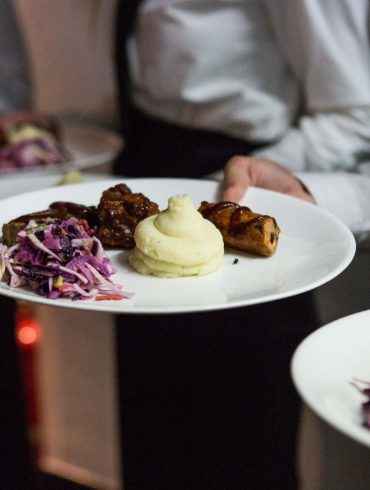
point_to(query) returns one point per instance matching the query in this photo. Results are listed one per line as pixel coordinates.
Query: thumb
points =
(236, 178)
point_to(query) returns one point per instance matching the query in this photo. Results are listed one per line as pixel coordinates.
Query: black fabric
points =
(46, 481)
(155, 148)
(206, 399)
(16, 467)
(125, 21)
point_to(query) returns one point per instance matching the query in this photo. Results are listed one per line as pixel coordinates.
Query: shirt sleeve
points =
(345, 195)
(15, 84)
(326, 45)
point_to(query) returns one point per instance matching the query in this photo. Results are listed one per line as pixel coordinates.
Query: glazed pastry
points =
(241, 228)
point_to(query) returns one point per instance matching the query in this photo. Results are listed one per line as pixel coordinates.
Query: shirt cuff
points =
(343, 195)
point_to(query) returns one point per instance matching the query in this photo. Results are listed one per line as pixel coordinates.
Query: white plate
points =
(314, 247)
(89, 146)
(324, 365)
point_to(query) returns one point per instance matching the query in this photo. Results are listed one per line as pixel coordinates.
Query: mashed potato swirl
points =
(177, 242)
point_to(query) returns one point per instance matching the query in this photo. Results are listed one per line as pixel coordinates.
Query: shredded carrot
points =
(84, 224)
(101, 297)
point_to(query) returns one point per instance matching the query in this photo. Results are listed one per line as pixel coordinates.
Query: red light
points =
(28, 332)
(27, 335)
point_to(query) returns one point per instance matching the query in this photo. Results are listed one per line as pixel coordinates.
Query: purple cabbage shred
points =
(364, 388)
(59, 259)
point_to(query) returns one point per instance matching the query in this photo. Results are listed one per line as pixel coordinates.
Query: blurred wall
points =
(70, 46)
(78, 397)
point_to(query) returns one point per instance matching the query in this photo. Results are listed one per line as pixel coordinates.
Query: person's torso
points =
(212, 64)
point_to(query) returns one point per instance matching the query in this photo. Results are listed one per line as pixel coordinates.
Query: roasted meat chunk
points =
(241, 228)
(119, 211)
(56, 210)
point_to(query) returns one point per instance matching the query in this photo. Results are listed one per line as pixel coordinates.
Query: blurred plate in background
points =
(89, 146)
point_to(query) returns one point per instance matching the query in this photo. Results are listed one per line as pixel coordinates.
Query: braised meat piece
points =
(119, 212)
(241, 228)
(56, 210)
(65, 210)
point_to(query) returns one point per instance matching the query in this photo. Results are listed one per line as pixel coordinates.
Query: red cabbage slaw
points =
(60, 258)
(364, 388)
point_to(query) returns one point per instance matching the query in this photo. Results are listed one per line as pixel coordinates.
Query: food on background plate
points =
(71, 176)
(241, 228)
(364, 388)
(28, 141)
(119, 211)
(177, 242)
(60, 258)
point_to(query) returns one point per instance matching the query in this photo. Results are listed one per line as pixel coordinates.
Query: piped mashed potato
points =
(177, 242)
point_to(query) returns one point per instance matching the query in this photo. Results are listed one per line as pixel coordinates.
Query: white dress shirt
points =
(292, 75)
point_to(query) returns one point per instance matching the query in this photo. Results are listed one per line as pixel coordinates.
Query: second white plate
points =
(325, 364)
